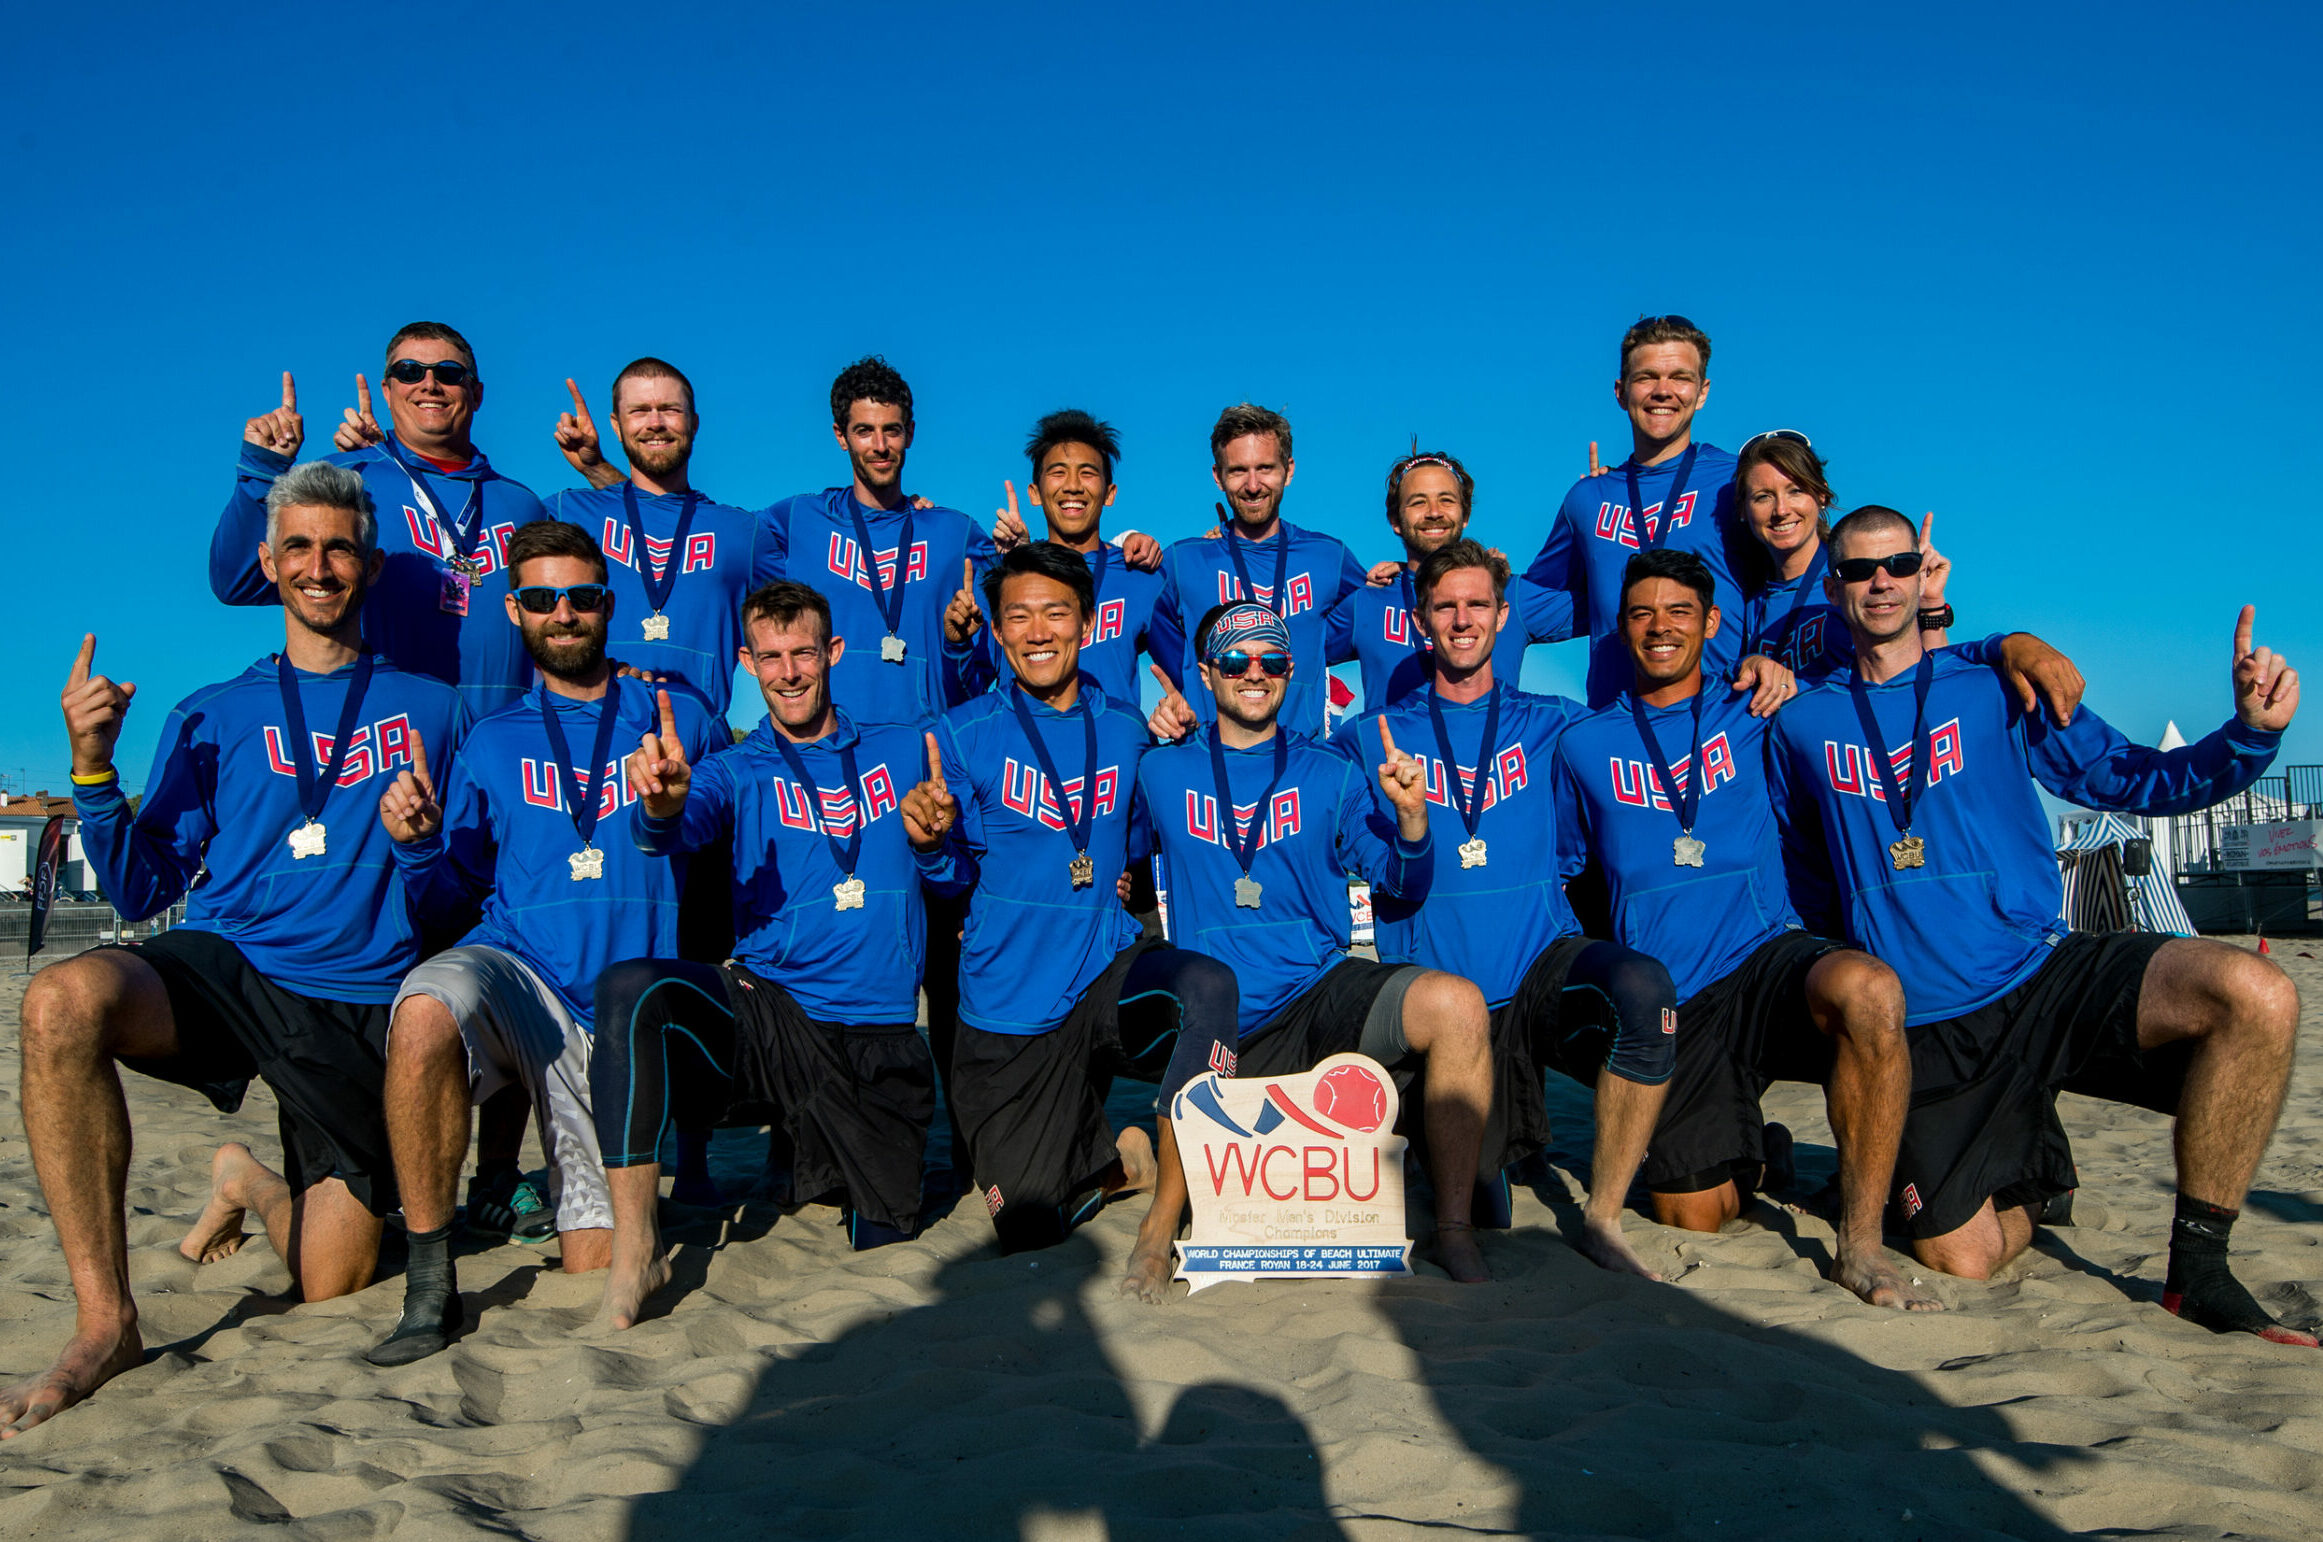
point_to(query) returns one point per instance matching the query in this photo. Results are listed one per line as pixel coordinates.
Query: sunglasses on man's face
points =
(1854, 570)
(450, 372)
(541, 600)
(1236, 664)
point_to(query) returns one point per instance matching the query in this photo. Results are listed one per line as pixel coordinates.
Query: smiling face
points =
(875, 437)
(1782, 514)
(1253, 473)
(1252, 698)
(432, 417)
(1665, 624)
(792, 660)
(1429, 510)
(654, 419)
(1462, 617)
(566, 643)
(1882, 607)
(1662, 386)
(1073, 490)
(1039, 625)
(317, 568)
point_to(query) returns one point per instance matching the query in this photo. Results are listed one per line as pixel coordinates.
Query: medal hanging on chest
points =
(1907, 850)
(582, 786)
(659, 585)
(461, 540)
(1467, 797)
(1243, 840)
(1682, 793)
(848, 892)
(309, 838)
(888, 597)
(1080, 820)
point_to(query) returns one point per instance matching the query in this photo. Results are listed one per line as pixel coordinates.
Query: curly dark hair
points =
(869, 379)
(1403, 468)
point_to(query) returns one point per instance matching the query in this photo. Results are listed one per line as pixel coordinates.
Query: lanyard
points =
(889, 597)
(1468, 804)
(1097, 579)
(1076, 826)
(1243, 844)
(313, 791)
(582, 789)
(1682, 803)
(843, 852)
(1810, 582)
(1661, 531)
(1280, 604)
(1411, 621)
(1899, 798)
(657, 589)
(464, 535)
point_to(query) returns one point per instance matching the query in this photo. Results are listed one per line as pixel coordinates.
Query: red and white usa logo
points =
(1221, 1060)
(1912, 1204)
(1669, 1019)
(992, 1200)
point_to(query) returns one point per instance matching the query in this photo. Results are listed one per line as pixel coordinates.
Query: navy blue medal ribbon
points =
(1908, 850)
(1077, 826)
(464, 534)
(1468, 803)
(888, 597)
(313, 790)
(1755, 635)
(658, 588)
(1661, 531)
(844, 852)
(1686, 851)
(1244, 844)
(582, 785)
(1280, 604)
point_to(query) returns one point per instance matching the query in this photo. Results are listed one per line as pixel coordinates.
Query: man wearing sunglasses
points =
(1495, 910)
(516, 824)
(1258, 827)
(261, 812)
(1029, 799)
(1666, 791)
(445, 517)
(1911, 780)
(1670, 493)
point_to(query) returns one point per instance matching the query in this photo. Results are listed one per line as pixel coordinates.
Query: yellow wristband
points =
(99, 780)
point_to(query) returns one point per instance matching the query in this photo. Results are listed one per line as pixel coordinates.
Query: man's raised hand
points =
(1595, 470)
(94, 707)
(1008, 527)
(1141, 551)
(1382, 574)
(657, 767)
(576, 433)
(1770, 684)
(929, 809)
(409, 808)
(1406, 788)
(2266, 687)
(1935, 567)
(961, 617)
(281, 430)
(1173, 717)
(360, 428)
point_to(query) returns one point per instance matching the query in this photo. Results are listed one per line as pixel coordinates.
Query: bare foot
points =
(1138, 1168)
(1151, 1264)
(1602, 1243)
(630, 1285)
(1457, 1251)
(85, 1364)
(1874, 1276)
(219, 1231)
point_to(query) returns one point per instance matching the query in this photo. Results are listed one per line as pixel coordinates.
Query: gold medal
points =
(1911, 851)
(1084, 871)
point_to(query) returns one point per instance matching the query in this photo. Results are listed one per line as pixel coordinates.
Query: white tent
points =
(2101, 896)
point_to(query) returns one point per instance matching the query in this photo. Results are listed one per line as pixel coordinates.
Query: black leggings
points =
(1616, 1008)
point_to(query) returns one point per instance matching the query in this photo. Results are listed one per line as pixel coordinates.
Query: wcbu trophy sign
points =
(1292, 1175)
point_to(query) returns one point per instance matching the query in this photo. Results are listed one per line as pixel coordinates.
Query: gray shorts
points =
(518, 1033)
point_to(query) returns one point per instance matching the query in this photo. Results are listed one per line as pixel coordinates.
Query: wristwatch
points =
(1936, 620)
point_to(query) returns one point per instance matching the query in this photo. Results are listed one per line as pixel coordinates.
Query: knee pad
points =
(1645, 1018)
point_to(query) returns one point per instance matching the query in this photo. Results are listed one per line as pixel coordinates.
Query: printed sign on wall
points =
(1292, 1175)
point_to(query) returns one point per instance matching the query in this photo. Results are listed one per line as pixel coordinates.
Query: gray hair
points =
(319, 484)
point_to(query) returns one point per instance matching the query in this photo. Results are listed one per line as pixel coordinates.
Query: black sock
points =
(2200, 1286)
(428, 1265)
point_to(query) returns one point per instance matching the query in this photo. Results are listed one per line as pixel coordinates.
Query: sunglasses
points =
(1792, 434)
(1854, 570)
(1234, 665)
(541, 599)
(449, 372)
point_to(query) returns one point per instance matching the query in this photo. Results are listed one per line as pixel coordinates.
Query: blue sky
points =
(2047, 274)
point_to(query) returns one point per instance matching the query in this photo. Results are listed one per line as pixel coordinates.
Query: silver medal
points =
(307, 840)
(1084, 871)
(849, 893)
(588, 862)
(1472, 852)
(1686, 851)
(891, 649)
(1246, 892)
(657, 627)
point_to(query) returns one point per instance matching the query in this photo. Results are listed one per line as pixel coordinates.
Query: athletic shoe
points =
(507, 1207)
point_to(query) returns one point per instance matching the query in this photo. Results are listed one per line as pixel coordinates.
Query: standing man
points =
(266, 787)
(1300, 575)
(1029, 799)
(516, 825)
(1666, 790)
(1429, 498)
(1671, 492)
(1496, 912)
(681, 564)
(448, 516)
(814, 1014)
(1259, 827)
(1910, 779)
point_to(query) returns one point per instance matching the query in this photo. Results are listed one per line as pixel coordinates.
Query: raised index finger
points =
(580, 408)
(88, 656)
(1386, 739)
(669, 721)
(2242, 629)
(289, 393)
(935, 763)
(419, 762)
(1927, 528)
(1012, 514)
(362, 394)
(968, 574)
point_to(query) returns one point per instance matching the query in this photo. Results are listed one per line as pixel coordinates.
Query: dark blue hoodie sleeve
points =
(1166, 632)
(1394, 866)
(2091, 764)
(1806, 856)
(235, 577)
(146, 861)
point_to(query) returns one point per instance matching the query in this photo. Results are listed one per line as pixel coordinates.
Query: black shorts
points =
(1355, 1008)
(1744, 1030)
(326, 1061)
(1983, 1123)
(1032, 1106)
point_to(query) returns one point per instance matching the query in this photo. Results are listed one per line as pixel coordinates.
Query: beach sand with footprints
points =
(788, 1387)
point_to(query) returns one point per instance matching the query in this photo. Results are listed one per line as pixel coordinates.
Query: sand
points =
(787, 1387)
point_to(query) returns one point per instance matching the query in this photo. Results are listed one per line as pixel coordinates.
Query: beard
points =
(566, 663)
(660, 458)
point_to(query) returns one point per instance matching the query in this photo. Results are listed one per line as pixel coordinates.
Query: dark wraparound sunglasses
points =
(1236, 664)
(1854, 570)
(449, 372)
(541, 600)
(1791, 434)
